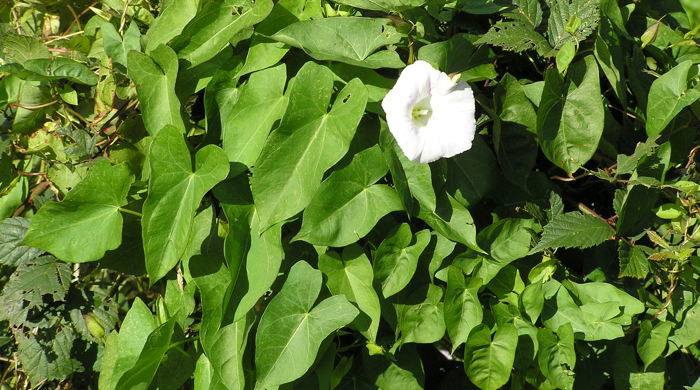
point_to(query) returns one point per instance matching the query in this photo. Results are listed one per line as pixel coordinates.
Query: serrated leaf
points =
(49, 358)
(573, 230)
(175, 190)
(518, 32)
(308, 141)
(633, 261)
(292, 328)
(12, 232)
(87, 223)
(580, 16)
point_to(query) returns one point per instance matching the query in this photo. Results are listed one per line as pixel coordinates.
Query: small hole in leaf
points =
(345, 99)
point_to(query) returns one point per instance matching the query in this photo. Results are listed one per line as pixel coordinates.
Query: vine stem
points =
(132, 212)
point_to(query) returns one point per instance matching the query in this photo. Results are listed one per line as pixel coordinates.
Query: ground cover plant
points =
(205, 194)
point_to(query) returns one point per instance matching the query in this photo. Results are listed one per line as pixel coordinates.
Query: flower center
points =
(421, 112)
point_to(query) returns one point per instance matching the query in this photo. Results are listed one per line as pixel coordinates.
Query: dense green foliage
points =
(204, 194)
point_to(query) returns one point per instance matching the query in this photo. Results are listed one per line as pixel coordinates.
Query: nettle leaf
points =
(633, 261)
(351, 274)
(292, 328)
(211, 30)
(517, 33)
(571, 20)
(488, 362)
(27, 286)
(154, 77)
(175, 190)
(12, 252)
(308, 141)
(352, 40)
(348, 204)
(87, 223)
(50, 358)
(570, 116)
(246, 124)
(396, 259)
(668, 95)
(574, 230)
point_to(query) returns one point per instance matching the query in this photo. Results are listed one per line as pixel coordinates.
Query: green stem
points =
(132, 212)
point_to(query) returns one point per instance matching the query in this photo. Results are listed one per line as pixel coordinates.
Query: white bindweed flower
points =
(430, 115)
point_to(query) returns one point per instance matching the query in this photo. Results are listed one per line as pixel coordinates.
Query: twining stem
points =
(132, 212)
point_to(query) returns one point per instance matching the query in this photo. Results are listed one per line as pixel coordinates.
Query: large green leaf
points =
(308, 141)
(668, 95)
(117, 47)
(351, 275)
(488, 362)
(383, 5)
(420, 317)
(139, 377)
(473, 174)
(175, 191)
(87, 223)
(292, 328)
(154, 77)
(396, 259)
(570, 115)
(463, 310)
(353, 40)
(246, 123)
(213, 27)
(348, 204)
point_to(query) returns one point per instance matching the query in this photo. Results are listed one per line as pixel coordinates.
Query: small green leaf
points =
(652, 340)
(172, 19)
(246, 124)
(565, 55)
(154, 77)
(292, 328)
(668, 95)
(117, 47)
(670, 211)
(396, 259)
(463, 310)
(176, 188)
(351, 275)
(488, 362)
(87, 223)
(556, 357)
(650, 34)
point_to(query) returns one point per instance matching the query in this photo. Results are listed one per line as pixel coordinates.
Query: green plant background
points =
(204, 194)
